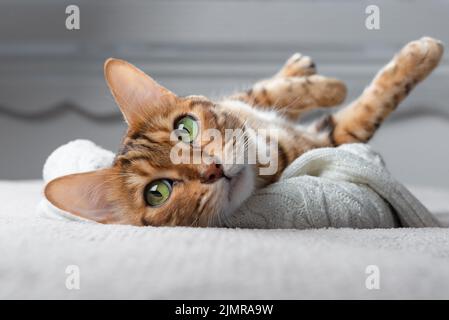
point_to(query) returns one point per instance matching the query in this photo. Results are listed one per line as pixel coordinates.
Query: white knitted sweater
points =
(348, 186)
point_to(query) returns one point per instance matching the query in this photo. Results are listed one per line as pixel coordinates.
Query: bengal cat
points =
(145, 187)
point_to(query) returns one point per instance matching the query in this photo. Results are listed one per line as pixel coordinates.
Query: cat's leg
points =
(293, 95)
(294, 89)
(358, 121)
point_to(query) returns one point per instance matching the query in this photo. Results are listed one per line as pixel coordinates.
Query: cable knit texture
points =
(348, 186)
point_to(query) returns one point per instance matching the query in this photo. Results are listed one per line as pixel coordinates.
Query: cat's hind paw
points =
(418, 58)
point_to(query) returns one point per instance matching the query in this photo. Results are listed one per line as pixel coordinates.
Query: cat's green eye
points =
(158, 192)
(187, 129)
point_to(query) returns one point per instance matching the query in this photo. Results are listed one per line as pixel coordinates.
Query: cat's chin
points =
(239, 187)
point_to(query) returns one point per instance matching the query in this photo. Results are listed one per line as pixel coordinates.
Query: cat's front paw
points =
(298, 65)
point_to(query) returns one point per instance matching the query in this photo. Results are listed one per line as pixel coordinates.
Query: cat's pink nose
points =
(212, 173)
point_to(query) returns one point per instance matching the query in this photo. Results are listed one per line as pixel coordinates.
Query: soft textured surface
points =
(348, 186)
(146, 262)
(74, 157)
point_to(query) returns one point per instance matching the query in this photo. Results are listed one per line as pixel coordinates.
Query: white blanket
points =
(145, 262)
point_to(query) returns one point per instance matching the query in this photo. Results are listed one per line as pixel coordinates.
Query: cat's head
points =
(147, 184)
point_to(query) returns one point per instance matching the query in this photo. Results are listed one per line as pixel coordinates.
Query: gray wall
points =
(52, 88)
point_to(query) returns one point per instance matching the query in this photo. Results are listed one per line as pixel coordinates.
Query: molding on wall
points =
(63, 108)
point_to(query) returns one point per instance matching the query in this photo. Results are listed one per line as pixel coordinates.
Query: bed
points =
(39, 258)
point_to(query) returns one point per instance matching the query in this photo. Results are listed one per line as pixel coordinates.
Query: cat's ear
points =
(83, 194)
(134, 91)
